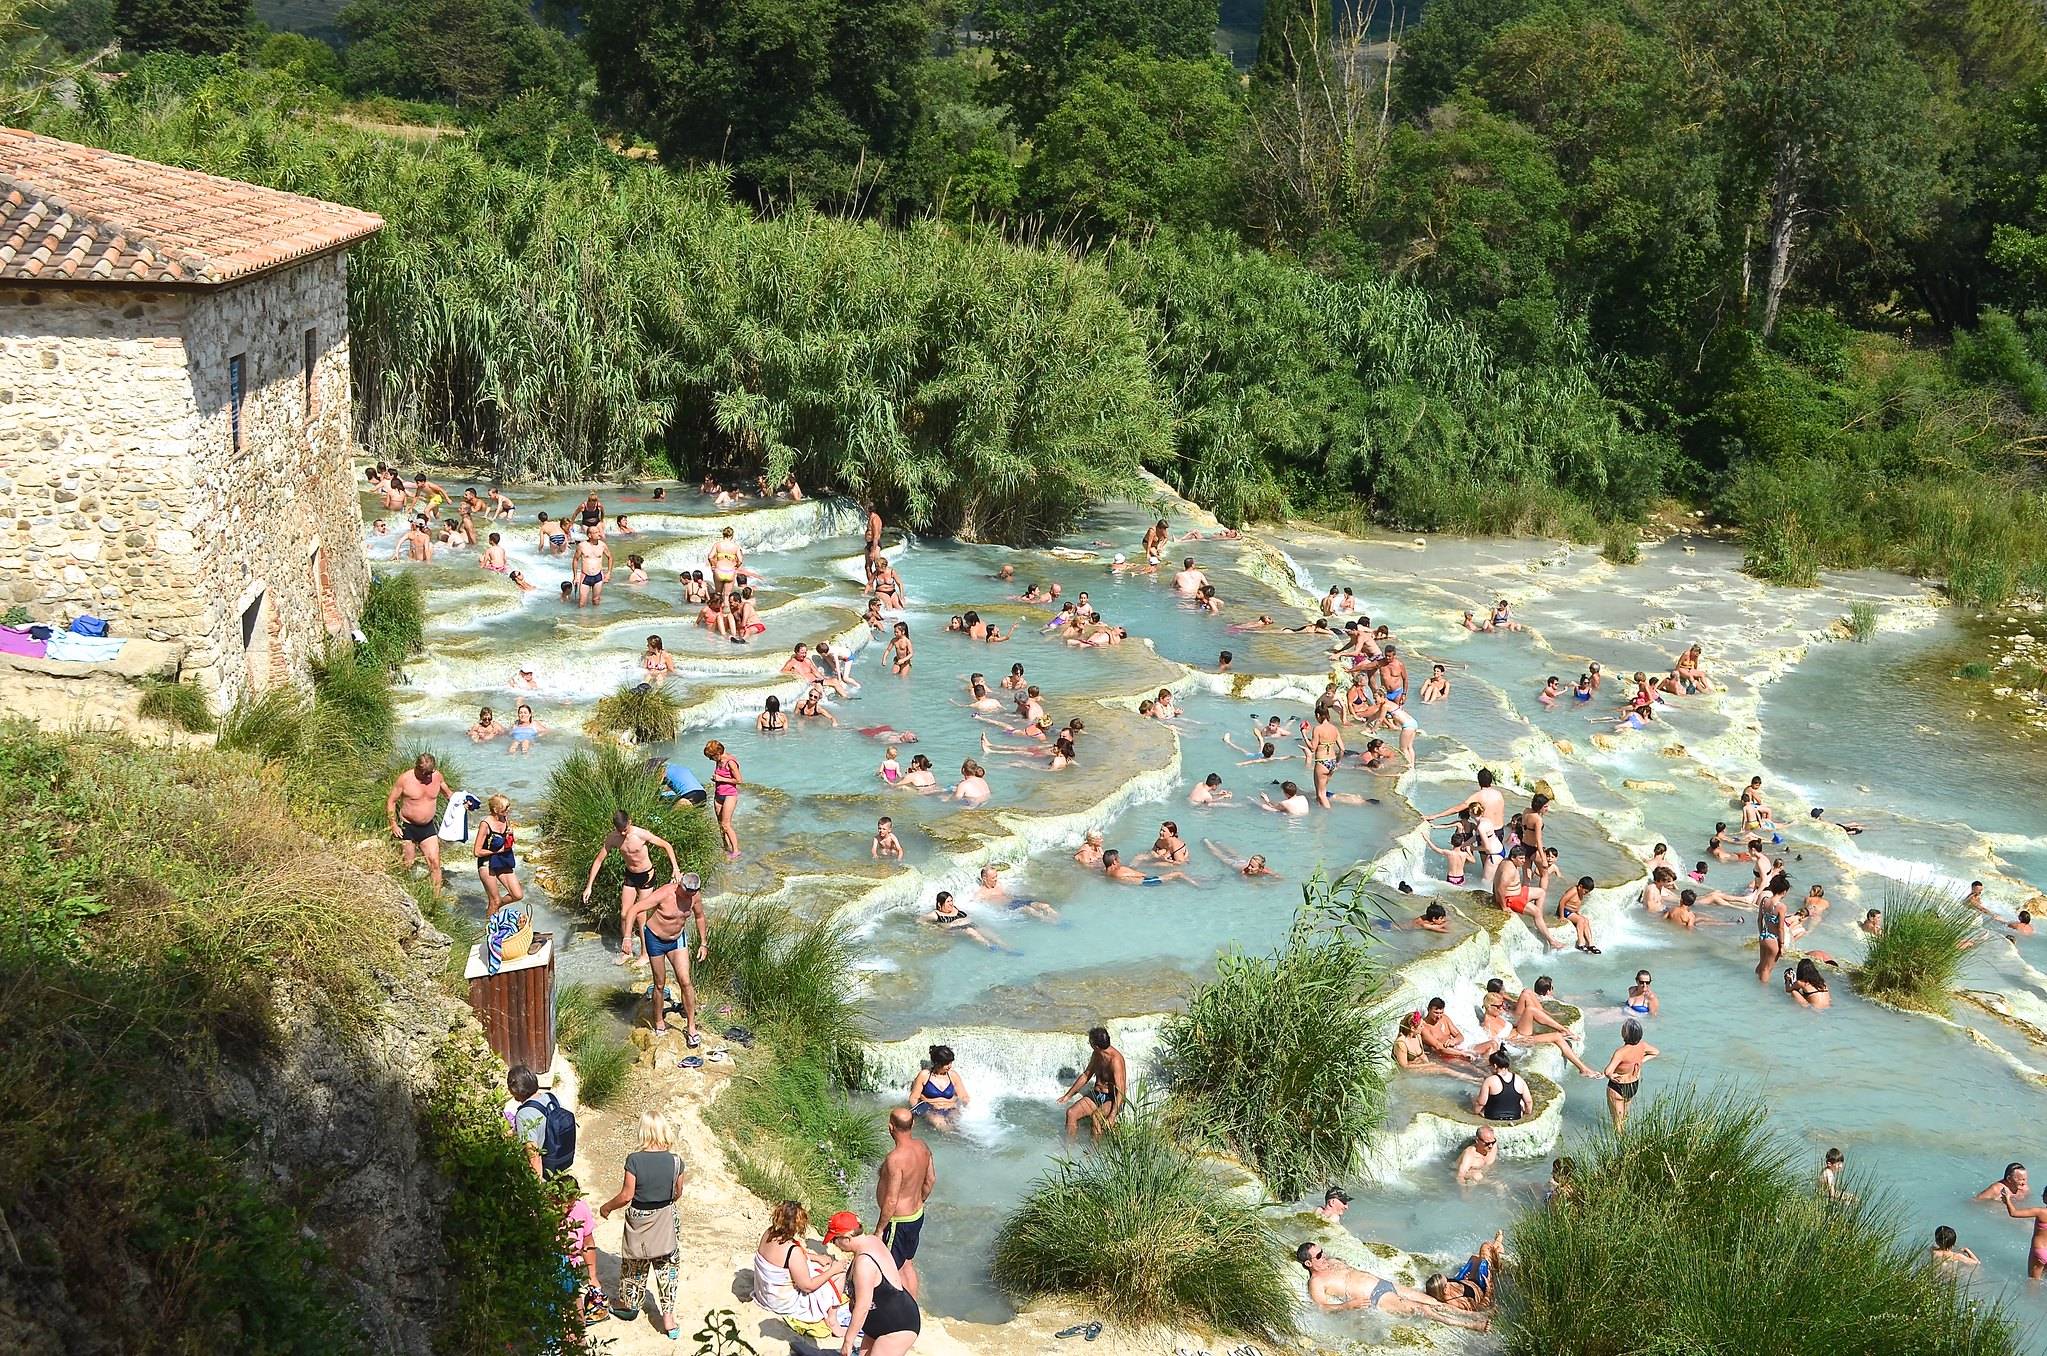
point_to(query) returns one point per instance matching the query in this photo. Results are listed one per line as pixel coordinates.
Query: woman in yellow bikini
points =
(725, 559)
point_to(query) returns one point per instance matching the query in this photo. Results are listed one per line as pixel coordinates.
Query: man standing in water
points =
(900, 1192)
(1107, 1079)
(663, 916)
(591, 567)
(414, 809)
(1492, 813)
(632, 842)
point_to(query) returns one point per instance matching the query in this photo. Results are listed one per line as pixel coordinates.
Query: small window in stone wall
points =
(237, 392)
(312, 365)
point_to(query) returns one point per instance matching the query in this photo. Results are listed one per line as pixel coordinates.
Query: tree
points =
(795, 95)
(305, 59)
(32, 67)
(1139, 141)
(1825, 116)
(198, 27)
(458, 51)
(1451, 35)
(1041, 46)
(1288, 32)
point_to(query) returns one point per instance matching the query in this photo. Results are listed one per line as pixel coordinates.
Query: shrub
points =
(792, 1133)
(1681, 1229)
(602, 1061)
(793, 977)
(1144, 1234)
(585, 790)
(1861, 621)
(393, 620)
(1915, 960)
(1282, 1059)
(1996, 354)
(651, 715)
(179, 704)
(1621, 544)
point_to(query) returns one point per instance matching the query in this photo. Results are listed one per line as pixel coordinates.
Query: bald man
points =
(904, 1185)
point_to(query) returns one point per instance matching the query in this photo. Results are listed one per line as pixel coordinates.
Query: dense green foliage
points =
(1281, 1060)
(582, 1029)
(460, 51)
(158, 906)
(393, 621)
(1915, 961)
(1682, 1230)
(583, 793)
(1144, 1233)
(792, 1134)
(194, 26)
(651, 715)
(792, 979)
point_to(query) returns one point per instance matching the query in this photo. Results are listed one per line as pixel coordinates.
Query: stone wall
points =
(122, 490)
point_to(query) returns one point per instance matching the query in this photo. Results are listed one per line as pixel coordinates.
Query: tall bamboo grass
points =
(583, 792)
(1143, 1234)
(1701, 1230)
(1917, 958)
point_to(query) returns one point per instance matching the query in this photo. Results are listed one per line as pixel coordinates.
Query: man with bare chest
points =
(635, 845)
(662, 916)
(414, 809)
(591, 566)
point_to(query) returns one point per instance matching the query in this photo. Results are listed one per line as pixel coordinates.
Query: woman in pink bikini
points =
(2036, 1265)
(725, 781)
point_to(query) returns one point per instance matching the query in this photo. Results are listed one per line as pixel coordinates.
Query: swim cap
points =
(842, 1225)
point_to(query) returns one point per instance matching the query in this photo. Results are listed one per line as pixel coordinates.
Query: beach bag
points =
(88, 626)
(558, 1141)
(649, 1234)
(508, 936)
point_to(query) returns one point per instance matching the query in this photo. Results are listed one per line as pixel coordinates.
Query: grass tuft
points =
(1681, 1228)
(1915, 961)
(178, 704)
(1621, 544)
(1144, 1234)
(1281, 1059)
(602, 1061)
(393, 620)
(793, 1134)
(1861, 621)
(575, 818)
(790, 978)
(651, 715)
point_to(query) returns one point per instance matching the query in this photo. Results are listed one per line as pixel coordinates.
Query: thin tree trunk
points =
(1785, 209)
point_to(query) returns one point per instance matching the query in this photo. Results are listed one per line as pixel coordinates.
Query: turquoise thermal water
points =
(1926, 1113)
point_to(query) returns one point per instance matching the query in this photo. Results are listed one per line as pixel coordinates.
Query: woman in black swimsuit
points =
(884, 1313)
(496, 859)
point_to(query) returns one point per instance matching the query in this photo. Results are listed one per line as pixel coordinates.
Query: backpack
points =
(558, 1138)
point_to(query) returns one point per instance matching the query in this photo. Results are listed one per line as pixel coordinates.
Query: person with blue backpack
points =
(545, 1128)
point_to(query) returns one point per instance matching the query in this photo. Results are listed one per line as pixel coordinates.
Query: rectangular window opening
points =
(237, 392)
(312, 366)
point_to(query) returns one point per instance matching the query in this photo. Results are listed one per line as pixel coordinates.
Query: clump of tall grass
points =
(584, 791)
(393, 621)
(1861, 621)
(794, 979)
(1701, 1230)
(650, 714)
(792, 1133)
(1621, 544)
(1144, 1234)
(178, 704)
(1916, 959)
(1281, 1059)
(602, 1061)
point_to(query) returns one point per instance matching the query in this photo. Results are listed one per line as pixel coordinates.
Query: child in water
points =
(886, 844)
(891, 771)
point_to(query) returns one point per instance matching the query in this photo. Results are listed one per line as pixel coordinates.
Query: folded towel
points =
(83, 649)
(21, 643)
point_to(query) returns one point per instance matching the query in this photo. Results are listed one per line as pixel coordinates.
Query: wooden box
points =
(516, 1005)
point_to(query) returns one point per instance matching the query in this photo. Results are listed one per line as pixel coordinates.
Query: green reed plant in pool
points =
(1621, 544)
(1144, 1233)
(1861, 621)
(1699, 1230)
(650, 714)
(1281, 1059)
(1915, 961)
(586, 789)
(791, 977)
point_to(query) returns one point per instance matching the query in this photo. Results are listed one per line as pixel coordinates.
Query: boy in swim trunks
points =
(633, 843)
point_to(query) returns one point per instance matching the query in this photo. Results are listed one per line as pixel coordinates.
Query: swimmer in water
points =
(523, 584)
(1250, 868)
(885, 844)
(1113, 868)
(1209, 791)
(948, 917)
(1437, 688)
(1292, 802)
(990, 890)
(1641, 1000)
(1090, 852)
(1551, 690)
(1806, 985)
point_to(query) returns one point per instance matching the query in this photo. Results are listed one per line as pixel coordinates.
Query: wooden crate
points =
(516, 1005)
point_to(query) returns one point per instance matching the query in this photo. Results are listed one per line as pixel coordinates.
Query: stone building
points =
(174, 410)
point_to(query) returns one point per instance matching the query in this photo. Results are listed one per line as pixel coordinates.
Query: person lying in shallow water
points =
(1335, 1287)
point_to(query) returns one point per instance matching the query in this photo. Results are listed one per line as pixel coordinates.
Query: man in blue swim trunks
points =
(1336, 1287)
(1106, 1078)
(663, 916)
(1113, 868)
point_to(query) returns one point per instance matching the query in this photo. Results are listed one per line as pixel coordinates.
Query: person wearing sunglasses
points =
(1336, 1287)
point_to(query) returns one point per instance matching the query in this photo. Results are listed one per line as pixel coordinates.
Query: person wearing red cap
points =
(885, 1314)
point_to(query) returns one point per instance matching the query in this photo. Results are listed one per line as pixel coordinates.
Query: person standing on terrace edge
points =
(725, 781)
(633, 843)
(1106, 1079)
(413, 808)
(902, 1188)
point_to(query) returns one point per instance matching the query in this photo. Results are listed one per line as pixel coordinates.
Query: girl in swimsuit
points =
(495, 859)
(657, 662)
(1807, 985)
(771, 720)
(725, 558)
(2036, 1265)
(899, 653)
(1455, 857)
(937, 1094)
(524, 730)
(725, 782)
(891, 771)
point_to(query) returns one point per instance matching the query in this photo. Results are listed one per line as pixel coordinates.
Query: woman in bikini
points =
(2036, 1265)
(947, 916)
(1411, 1056)
(937, 1093)
(771, 720)
(920, 777)
(725, 782)
(1624, 1069)
(496, 863)
(659, 664)
(1806, 985)
(725, 558)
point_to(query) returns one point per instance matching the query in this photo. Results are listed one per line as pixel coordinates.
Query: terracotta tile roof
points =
(75, 212)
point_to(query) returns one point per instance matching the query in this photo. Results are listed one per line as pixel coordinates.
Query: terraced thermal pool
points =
(1874, 732)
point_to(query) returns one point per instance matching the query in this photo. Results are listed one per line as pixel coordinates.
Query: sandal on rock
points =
(1074, 1331)
(689, 1062)
(694, 1039)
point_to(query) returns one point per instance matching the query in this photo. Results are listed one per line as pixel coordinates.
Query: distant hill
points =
(315, 17)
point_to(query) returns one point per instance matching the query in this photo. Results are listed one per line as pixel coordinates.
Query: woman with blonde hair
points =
(725, 781)
(653, 1176)
(496, 862)
(790, 1281)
